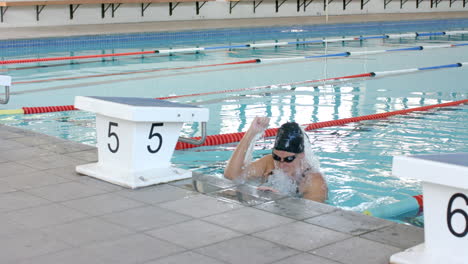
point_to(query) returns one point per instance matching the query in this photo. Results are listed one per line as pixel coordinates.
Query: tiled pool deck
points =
(51, 215)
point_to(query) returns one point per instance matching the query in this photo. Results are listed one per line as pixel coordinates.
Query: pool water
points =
(356, 158)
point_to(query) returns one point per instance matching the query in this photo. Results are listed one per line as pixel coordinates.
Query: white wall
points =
(22, 16)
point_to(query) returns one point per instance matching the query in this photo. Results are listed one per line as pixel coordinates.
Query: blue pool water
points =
(356, 158)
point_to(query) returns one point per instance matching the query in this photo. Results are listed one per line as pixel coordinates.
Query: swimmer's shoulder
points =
(266, 164)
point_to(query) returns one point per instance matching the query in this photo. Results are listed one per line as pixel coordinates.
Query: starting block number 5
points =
(456, 213)
(152, 134)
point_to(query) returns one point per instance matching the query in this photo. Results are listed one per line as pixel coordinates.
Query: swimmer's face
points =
(287, 161)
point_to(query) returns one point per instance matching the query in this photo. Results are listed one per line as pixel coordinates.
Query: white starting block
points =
(136, 138)
(5, 81)
(445, 190)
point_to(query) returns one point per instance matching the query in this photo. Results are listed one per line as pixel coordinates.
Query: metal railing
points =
(6, 82)
(194, 141)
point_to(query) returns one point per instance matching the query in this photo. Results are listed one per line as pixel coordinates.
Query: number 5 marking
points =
(113, 134)
(451, 213)
(155, 134)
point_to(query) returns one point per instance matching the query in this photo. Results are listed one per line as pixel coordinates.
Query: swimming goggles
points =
(287, 159)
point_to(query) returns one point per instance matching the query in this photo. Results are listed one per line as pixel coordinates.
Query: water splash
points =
(248, 158)
(282, 183)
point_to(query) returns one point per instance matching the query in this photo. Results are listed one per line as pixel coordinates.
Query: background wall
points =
(25, 16)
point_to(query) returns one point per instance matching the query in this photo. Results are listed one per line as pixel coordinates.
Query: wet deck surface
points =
(50, 214)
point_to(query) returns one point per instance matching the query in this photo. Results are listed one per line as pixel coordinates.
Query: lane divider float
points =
(47, 109)
(250, 45)
(251, 61)
(220, 139)
(410, 204)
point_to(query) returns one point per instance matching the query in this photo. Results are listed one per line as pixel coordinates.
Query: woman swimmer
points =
(287, 156)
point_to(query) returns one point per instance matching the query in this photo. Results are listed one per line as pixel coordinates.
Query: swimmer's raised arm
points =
(236, 167)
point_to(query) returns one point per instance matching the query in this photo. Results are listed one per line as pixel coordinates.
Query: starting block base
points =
(136, 179)
(419, 255)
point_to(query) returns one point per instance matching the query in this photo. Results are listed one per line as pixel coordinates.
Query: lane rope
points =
(410, 204)
(46, 109)
(253, 61)
(220, 139)
(249, 45)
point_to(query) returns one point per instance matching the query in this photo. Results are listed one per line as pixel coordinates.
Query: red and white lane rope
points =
(45, 109)
(253, 61)
(249, 45)
(236, 137)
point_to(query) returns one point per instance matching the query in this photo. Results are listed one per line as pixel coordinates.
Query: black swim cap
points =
(290, 138)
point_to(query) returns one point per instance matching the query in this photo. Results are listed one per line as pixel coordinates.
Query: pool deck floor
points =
(51, 214)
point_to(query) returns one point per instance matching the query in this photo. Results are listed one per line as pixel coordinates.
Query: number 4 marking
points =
(155, 134)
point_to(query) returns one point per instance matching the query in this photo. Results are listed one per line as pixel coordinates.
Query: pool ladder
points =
(194, 141)
(6, 82)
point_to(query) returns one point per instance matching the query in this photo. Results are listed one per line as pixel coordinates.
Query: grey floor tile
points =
(65, 191)
(6, 187)
(193, 234)
(43, 216)
(301, 236)
(32, 180)
(65, 147)
(8, 144)
(199, 206)
(37, 139)
(156, 194)
(67, 172)
(97, 183)
(186, 257)
(349, 222)
(5, 134)
(19, 200)
(86, 156)
(306, 258)
(13, 168)
(68, 256)
(145, 218)
(247, 220)
(102, 204)
(357, 250)
(27, 244)
(10, 227)
(25, 153)
(48, 162)
(136, 248)
(247, 249)
(86, 231)
(296, 208)
(398, 235)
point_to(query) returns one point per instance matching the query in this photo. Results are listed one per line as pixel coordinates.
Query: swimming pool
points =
(355, 157)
